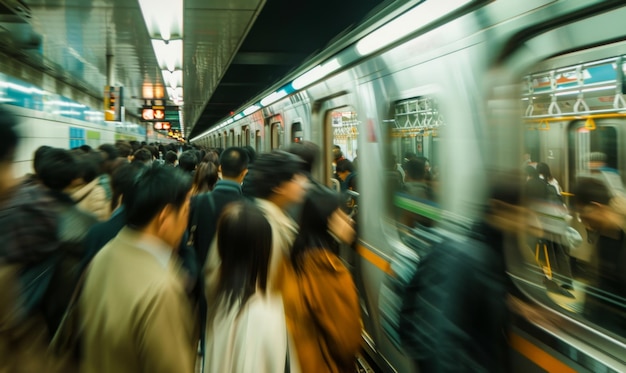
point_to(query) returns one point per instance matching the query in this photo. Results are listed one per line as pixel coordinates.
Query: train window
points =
(411, 176)
(296, 132)
(342, 131)
(277, 135)
(575, 261)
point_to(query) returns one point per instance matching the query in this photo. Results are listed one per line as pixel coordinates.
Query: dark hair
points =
(308, 151)
(415, 168)
(89, 165)
(8, 134)
(213, 157)
(171, 157)
(142, 155)
(244, 243)
(38, 156)
(251, 153)
(272, 169)
(544, 169)
(153, 150)
(344, 165)
(152, 190)
(124, 149)
(122, 180)
(588, 190)
(188, 160)
(313, 233)
(234, 161)
(205, 177)
(110, 150)
(58, 168)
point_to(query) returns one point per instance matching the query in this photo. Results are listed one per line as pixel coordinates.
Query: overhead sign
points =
(160, 113)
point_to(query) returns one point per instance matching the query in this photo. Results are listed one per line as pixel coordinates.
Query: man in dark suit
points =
(233, 166)
(206, 209)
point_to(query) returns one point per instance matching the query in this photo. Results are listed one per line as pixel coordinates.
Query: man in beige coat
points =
(136, 314)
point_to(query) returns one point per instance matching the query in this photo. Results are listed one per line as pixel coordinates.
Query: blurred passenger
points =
(321, 300)
(336, 156)
(140, 318)
(110, 156)
(415, 182)
(604, 231)
(544, 172)
(205, 212)
(279, 181)
(9, 140)
(171, 158)
(213, 157)
(42, 232)
(188, 161)
(458, 319)
(347, 175)
(100, 234)
(124, 149)
(246, 329)
(142, 155)
(204, 178)
(309, 152)
(90, 195)
(37, 157)
(251, 153)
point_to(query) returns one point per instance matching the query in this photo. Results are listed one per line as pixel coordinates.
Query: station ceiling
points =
(232, 49)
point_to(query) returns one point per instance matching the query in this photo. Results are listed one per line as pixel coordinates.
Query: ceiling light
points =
(169, 54)
(164, 18)
(315, 74)
(251, 109)
(418, 17)
(273, 97)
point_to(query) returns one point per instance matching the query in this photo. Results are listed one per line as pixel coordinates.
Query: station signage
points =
(160, 113)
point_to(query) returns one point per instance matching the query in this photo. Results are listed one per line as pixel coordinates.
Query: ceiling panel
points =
(232, 49)
(208, 51)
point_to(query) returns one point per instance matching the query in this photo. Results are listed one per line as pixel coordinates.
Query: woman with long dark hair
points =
(246, 330)
(321, 300)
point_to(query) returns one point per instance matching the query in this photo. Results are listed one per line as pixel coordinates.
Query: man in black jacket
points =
(206, 209)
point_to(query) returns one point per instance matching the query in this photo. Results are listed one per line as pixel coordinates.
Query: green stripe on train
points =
(417, 207)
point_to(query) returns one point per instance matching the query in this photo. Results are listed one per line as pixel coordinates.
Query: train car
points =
(472, 86)
(67, 119)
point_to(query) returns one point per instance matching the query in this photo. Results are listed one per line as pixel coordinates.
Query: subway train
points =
(473, 86)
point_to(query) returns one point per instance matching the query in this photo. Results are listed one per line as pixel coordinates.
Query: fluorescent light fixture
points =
(173, 78)
(251, 109)
(238, 116)
(175, 92)
(416, 18)
(164, 18)
(273, 97)
(169, 54)
(315, 74)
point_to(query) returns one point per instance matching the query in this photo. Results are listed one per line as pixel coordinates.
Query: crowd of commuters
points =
(170, 258)
(138, 257)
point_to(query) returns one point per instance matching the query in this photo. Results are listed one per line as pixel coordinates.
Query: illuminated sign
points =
(160, 113)
(162, 126)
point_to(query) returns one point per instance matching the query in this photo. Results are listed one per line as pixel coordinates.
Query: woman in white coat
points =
(246, 330)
